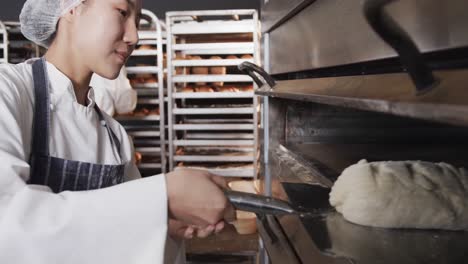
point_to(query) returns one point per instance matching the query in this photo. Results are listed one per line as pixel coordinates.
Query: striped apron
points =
(61, 174)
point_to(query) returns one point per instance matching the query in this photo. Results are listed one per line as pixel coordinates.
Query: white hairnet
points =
(39, 18)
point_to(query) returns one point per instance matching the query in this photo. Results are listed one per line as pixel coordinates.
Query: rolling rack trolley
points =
(145, 70)
(213, 115)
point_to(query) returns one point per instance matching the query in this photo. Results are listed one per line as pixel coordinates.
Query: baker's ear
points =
(70, 14)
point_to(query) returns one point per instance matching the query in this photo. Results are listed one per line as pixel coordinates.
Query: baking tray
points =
(337, 239)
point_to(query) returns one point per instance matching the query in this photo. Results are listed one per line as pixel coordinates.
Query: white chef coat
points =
(118, 96)
(123, 224)
(114, 96)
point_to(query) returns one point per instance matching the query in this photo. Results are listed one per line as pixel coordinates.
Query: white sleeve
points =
(122, 224)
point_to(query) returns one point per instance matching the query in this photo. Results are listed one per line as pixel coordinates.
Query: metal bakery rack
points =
(145, 69)
(16, 48)
(3, 43)
(213, 115)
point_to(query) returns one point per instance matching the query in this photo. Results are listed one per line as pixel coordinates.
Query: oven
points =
(349, 80)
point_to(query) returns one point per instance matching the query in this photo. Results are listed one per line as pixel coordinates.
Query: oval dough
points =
(403, 194)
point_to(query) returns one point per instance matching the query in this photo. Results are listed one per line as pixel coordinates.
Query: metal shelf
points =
(213, 111)
(146, 86)
(149, 150)
(146, 34)
(216, 48)
(148, 101)
(217, 120)
(144, 53)
(211, 78)
(213, 27)
(19, 43)
(214, 127)
(226, 172)
(446, 102)
(144, 133)
(4, 44)
(138, 118)
(149, 166)
(139, 127)
(217, 95)
(145, 142)
(146, 91)
(188, 15)
(218, 158)
(142, 69)
(216, 150)
(219, 136)
(209, 62)
(214, 142)
(147, 42)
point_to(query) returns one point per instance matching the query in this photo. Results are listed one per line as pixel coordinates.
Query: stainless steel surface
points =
(382, 246)
(334, 32)
(170, 90)
(318, 127)
(262, 254)
(386, 93)
(265, 138)
(275, 241)
(331, 239)
(258, 203)
(299, 169)
(276, 12)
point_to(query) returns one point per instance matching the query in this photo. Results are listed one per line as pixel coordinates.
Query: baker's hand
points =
(196, 197)
(180, 230)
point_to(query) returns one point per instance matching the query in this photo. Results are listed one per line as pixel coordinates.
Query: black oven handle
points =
(410, 56)
(252, 70)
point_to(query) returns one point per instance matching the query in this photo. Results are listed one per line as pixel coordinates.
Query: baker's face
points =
(106, 34)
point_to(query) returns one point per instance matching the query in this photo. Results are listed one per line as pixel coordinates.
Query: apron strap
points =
(41, 115)
(113, 138)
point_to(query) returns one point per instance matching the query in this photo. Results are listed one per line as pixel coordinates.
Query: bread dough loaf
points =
(403, 194)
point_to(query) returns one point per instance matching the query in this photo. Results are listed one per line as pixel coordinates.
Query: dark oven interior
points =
(310, 145)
